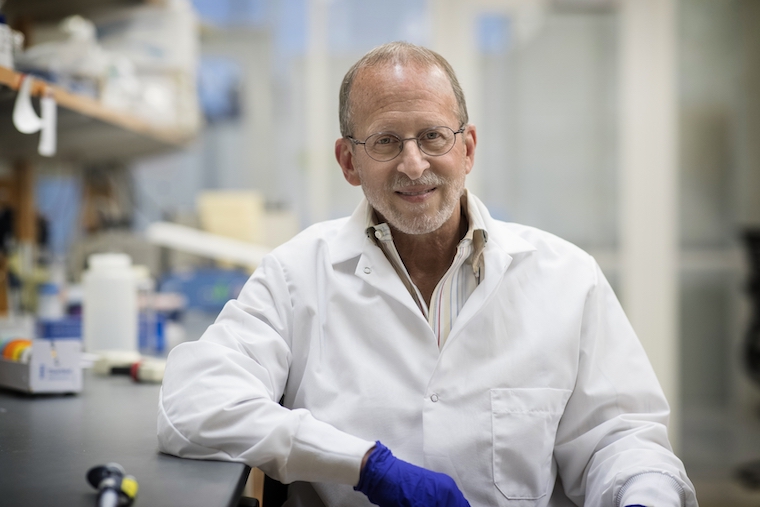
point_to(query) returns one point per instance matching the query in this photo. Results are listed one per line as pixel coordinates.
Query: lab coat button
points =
(433, 398)
(378, 234)
(368, 270)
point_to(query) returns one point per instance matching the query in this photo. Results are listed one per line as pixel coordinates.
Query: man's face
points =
(416, 193)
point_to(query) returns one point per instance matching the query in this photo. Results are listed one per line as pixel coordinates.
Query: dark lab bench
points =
(48, 442)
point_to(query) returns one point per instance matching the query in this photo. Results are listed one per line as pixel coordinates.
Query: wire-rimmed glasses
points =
(384, 146)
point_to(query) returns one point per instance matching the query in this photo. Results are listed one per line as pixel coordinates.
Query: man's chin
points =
(416, 226)
(417, 219)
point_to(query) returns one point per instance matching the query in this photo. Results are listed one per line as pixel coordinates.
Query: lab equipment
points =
(206, 289)
(115, 487)
(6, 44)
(11, 43)
(69, 327)
(42, 365)
(148, 370)
(110, 305)
(388, 481)
(148, 331)
(18, 349)
(49, 302)
(197, 242)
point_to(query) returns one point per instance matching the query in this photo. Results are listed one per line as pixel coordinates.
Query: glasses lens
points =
(436, 141)
(383, 147)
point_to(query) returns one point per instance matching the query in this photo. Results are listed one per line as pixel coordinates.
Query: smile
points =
(412, 193)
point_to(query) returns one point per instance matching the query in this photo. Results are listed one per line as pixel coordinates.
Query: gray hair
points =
(396, 53)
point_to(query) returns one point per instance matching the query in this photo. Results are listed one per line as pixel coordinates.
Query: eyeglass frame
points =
(461, 130)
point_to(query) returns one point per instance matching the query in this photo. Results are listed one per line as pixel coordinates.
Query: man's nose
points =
(412, 161)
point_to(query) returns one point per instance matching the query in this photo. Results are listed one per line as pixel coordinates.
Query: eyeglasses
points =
(434, 142)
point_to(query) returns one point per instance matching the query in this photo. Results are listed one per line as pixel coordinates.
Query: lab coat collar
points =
(505, 240)
(352, 241)
(372, 266)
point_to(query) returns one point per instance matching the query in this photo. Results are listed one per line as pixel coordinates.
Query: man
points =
(423, 353)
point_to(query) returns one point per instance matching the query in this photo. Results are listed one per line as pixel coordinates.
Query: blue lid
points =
(47, 289)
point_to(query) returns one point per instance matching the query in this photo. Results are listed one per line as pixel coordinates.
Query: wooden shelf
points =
(54, 10)
(87, 131)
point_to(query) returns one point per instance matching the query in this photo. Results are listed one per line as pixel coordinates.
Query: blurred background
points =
(630, 127)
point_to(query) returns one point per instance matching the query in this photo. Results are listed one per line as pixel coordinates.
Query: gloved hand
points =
(390, 482)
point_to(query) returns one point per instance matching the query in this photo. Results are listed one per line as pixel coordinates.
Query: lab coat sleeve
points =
(219, 398)
(612, 445)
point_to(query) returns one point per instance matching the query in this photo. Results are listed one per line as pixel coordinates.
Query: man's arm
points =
(612, 445)
(219, 398)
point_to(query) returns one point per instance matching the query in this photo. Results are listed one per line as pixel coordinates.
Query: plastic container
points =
(6, 44)
(49, 302)
(149, 332)
(109, 306)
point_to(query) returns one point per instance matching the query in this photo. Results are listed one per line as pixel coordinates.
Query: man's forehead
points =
(398, 72)
(393, 80)
(383, 93)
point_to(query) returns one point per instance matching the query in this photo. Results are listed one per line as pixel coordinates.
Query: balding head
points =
(396, 53)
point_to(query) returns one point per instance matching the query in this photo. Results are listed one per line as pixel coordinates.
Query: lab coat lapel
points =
(496, 263)
(376, 270)
(372, 266)
(500, 251)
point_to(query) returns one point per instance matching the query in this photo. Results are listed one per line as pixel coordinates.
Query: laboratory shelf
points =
(87, 130)
(54, 10)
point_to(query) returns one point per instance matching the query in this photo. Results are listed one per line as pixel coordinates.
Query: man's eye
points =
(382, 140)
(431, 135)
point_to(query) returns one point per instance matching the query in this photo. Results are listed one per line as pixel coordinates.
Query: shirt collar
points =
(476, 230)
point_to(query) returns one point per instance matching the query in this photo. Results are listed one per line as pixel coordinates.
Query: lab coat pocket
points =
(524, 424)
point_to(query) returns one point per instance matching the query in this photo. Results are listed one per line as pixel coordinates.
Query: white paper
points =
(24, 116)
(27, 122)
(48, 136)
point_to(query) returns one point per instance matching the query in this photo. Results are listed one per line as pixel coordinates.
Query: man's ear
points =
(344, 154)
(470, 136)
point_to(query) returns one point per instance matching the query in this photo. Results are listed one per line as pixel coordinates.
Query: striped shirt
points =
(459, 281)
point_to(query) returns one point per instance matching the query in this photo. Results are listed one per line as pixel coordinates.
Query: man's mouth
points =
(415, 192)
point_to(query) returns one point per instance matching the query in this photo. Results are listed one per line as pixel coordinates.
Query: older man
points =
(419, 352)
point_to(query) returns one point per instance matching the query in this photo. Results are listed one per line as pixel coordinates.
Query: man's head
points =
(404, 98)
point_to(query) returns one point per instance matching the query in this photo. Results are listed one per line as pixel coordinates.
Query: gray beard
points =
(422, 223)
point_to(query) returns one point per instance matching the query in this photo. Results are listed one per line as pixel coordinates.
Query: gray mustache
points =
(401, 180)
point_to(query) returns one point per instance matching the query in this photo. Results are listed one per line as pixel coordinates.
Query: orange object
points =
(14, 348)
(7, 344)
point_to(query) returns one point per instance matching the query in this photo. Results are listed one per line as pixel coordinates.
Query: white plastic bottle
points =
(110, 304)
(6, 44)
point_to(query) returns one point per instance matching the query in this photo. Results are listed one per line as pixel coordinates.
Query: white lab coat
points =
(542, 377)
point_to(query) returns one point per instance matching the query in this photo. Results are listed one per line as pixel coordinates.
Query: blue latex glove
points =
(390, 482)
